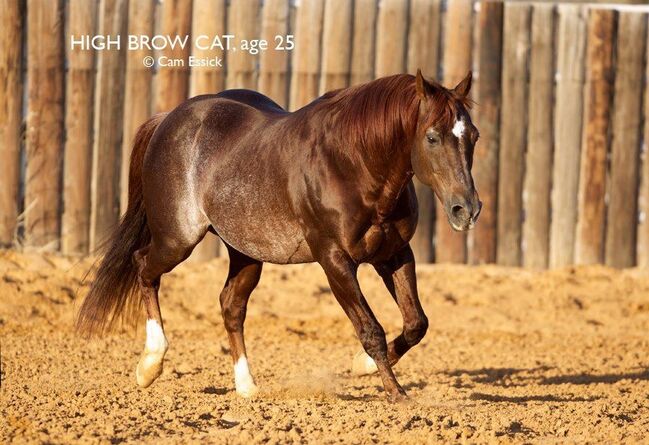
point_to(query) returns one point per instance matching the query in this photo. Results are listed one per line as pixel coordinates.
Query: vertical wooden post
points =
(208, 18)
(423, 53)
(11, 95)
(568, 123)
(44, 144)
(538, 162)
(643, 201)
(591, 210)
(273, 65)
(625, 148)
(336, 45)
(108, 119)
(172, 84)
(242, 22)
(306, 55)
(424, 37)
(450, 246)
(75, 223)
(391, 35)
(513, 136)
(362, 63)
(137, 94)
(482, 240)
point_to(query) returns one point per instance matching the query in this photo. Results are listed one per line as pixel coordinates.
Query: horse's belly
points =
(261, 227)
(267, 241)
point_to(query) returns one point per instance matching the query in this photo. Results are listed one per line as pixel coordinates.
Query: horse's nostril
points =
(457, 210)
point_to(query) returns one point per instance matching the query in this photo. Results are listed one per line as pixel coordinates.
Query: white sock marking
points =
(363, 364)
(370, 365)
(458, 128)
(243, 380)
(155, 337)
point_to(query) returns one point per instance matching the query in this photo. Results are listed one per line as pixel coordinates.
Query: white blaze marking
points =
(242, 379)
(155, 337)
(458, 128)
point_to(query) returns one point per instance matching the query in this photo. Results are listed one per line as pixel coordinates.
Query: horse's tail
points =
(113, 294)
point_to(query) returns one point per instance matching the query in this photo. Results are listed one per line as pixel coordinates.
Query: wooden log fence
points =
(450, 246)
(538, 162)
(562, 105)
(44, 120)
(482, 240)
(12, 14)
(511, 162)
(589, 247)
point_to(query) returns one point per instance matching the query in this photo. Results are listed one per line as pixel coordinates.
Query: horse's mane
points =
(376, 115)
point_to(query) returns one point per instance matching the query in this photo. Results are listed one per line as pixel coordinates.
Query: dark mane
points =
(384, 112)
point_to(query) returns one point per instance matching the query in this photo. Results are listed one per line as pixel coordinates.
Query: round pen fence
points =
(561, 96)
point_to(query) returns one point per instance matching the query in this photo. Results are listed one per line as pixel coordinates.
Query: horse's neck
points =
(397, 174)
(381, 158)
(383, 174)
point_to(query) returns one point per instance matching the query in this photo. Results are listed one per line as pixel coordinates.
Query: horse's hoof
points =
(248, 391)
(363, 364)
(398, 396)
(148, 369)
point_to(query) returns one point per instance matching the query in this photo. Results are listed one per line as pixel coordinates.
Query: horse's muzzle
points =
(463, 213)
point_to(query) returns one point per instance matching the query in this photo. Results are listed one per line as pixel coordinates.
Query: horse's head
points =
(442, 155)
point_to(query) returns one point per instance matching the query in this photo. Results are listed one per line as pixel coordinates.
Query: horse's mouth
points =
(465, 227)
(462, 228)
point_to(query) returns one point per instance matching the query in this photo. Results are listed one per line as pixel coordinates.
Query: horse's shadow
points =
(497, 376)
(587, 379)
(419, 384)
(359, 398)
(517, 377)
(532, 398)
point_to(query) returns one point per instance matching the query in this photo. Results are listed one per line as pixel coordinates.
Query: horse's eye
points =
(433, 138)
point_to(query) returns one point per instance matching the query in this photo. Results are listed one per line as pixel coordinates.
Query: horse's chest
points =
(390, 233)
(381, 241)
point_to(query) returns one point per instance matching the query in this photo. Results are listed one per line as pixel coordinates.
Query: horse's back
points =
(253, 99)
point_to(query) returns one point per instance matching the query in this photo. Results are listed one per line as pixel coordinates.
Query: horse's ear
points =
(421, 84)
(462, 89)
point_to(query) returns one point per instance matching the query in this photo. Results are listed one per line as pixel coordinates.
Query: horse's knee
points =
(414, 332)
(373, 340)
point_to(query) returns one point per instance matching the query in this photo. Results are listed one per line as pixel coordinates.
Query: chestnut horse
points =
(329, 183)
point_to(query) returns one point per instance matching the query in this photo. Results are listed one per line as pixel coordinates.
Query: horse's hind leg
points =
(159, 257)
(399, 277)
(243, 277)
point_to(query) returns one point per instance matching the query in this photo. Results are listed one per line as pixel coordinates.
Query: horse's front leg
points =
(398, 274)
(341, 274)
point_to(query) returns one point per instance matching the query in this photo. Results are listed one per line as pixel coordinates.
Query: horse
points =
(329, 183)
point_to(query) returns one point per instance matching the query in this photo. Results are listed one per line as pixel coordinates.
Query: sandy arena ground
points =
(511, 356)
